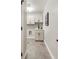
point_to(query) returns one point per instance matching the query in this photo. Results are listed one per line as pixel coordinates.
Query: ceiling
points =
(35, 5)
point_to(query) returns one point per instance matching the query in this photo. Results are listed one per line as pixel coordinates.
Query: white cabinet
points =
(39, 34)
(30, 20)
(34, 17)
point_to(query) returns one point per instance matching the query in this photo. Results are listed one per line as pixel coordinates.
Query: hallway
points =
(39, 22)
(36, 50)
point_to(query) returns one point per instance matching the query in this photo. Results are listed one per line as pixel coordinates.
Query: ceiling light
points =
(30, 9)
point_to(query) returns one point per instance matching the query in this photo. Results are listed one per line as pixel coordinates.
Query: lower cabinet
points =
(39, 35)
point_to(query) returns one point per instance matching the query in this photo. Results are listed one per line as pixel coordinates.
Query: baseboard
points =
(49, 50)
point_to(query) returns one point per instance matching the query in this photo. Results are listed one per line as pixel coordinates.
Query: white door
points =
(23, 28)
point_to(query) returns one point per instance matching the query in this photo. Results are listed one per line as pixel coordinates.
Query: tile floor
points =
(36, 50)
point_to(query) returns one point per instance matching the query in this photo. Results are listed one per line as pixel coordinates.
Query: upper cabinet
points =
(33, 18)
(30, 20)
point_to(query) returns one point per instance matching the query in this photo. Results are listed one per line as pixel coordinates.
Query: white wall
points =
(31, 28)
(51, 31)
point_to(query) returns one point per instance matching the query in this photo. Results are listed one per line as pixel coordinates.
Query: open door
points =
(23, 28)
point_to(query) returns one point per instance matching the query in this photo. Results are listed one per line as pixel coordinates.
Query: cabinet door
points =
(30, 20)
(39, 35)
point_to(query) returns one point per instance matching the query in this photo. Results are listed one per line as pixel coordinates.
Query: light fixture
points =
(30, 9)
